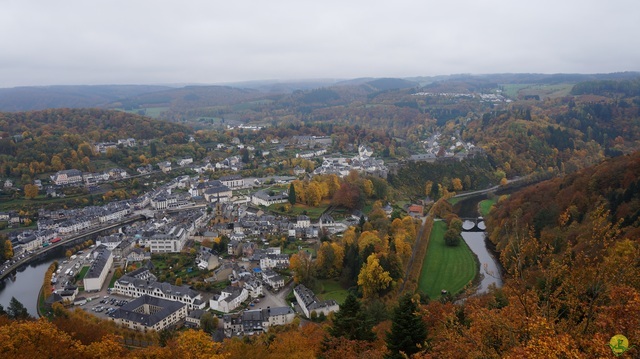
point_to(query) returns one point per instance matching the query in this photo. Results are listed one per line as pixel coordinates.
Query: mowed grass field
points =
(331, 289)
(485, 206)
(449, 268)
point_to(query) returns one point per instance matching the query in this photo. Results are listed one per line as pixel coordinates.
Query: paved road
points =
(487, 190)
(274, 299)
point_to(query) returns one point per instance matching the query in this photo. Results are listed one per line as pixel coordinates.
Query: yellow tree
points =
(409, 225)
(313, 194)
(427, 187)
(456, 183)
(196, 344)
(367, 187)
(403, 248)
(373, 278)
(30, 191)
(329, 261)
(37, 339)
(56, 163)
(303, 342)
(302, 267)
(396, 225)
(324, 189)
(300, 189)
(107, 347)
(8, 249)
(349, 236)
(334, 183)
(371, 238)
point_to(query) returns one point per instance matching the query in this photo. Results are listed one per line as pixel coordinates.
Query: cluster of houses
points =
(69, 221)
(76, 177)
(59, 223)
(438, 148)
(103, 147)
(363, 162)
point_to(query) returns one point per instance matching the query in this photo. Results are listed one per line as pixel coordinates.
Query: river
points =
(490, 269)
(26, 285)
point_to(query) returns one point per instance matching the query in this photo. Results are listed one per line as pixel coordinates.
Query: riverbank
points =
(26, 285)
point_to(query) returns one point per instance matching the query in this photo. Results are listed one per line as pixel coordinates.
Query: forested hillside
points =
(40, 98)
(571, 253)
(560, 135)
(473, 173)
(51, 140)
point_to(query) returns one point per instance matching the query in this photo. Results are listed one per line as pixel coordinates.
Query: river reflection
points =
(26, 285)
(488, 265)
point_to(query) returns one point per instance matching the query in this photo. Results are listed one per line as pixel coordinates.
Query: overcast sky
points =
(44, 42)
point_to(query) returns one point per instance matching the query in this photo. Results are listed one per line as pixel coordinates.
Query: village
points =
(239, 250)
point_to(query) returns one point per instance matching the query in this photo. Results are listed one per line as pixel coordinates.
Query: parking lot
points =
(105, 305)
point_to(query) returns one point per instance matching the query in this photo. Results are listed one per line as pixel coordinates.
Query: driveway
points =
(274, 299)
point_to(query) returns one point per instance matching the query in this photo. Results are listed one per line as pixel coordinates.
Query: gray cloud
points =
(98, 42)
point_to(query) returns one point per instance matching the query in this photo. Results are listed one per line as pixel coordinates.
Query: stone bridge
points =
(473, 224)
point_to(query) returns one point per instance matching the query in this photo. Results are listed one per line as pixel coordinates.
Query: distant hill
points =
(189, 97)
(40, 98)
(392, 84)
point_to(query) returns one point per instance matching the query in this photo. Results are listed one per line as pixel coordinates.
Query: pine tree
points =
(351, 322)
(16, 310)
(408, 331)
(292, 194)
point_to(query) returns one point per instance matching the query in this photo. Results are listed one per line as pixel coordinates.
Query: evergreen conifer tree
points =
(408, 331)
(350, 321)
(16, 310)
(292, 194)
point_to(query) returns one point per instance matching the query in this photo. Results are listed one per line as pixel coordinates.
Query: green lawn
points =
(331, 289)
(449, 268)
(83, 271)
(313, 212)
(113, 281)
(485, 206)
(287, 250)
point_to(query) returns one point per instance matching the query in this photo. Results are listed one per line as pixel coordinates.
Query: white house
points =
(363, 151)
(185, 161)
(254, 288)
(302, 222)
(67, 177)
(232, 181)
(229, 299)
(171, 242)
(165, 166)
(309, 303)
(256, 321)
(273, 279)
(274, 261)
(262, 198)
